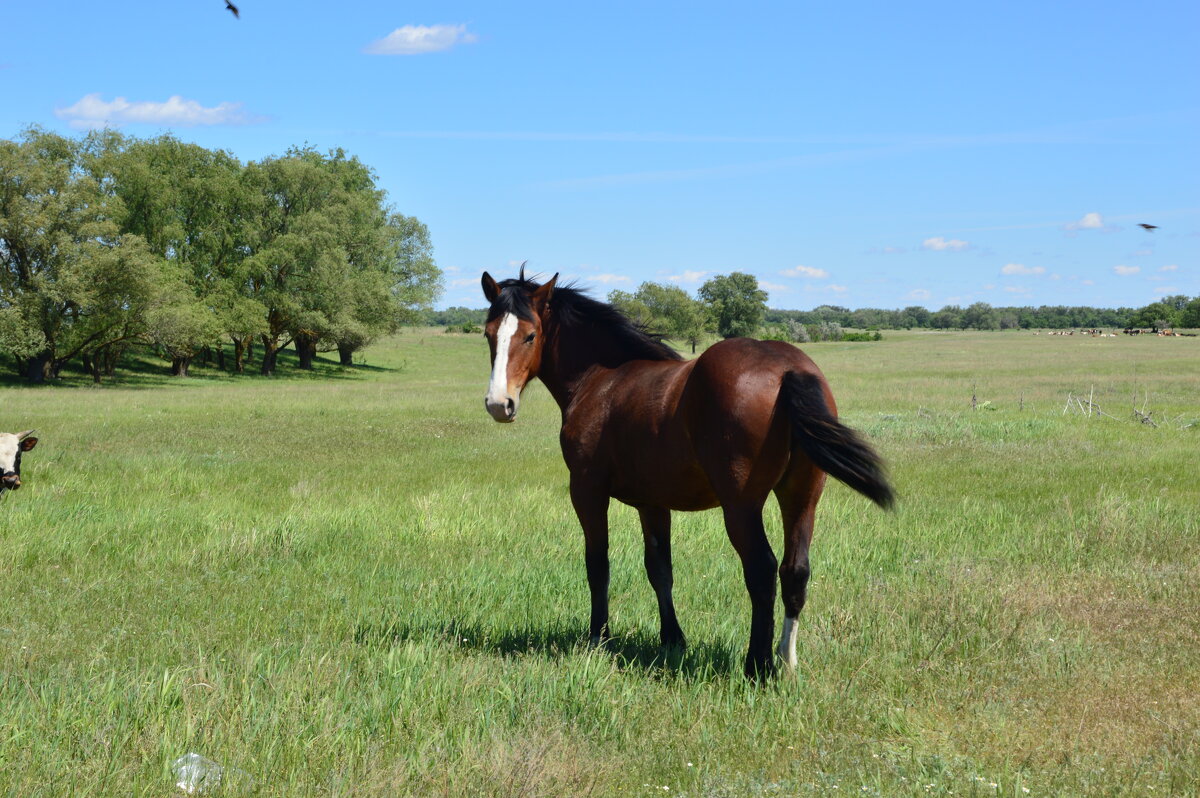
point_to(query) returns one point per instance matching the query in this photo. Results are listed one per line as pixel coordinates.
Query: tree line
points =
(110, 242)
(733, 305)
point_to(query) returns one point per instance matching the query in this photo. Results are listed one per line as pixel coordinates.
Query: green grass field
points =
(359, 584)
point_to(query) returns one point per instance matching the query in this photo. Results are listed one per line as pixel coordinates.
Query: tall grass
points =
(361, 585)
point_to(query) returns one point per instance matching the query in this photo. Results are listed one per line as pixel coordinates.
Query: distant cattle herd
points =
(1126, 331)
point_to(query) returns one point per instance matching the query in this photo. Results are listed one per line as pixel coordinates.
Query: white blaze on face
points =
(8, 452)
(497, 394)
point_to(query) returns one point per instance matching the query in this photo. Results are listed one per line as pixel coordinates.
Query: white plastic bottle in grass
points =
(195, 774)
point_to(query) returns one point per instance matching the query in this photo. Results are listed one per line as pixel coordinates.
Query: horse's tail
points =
(833, 447)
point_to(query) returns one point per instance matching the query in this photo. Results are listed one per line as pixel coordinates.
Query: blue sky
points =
(872, 154)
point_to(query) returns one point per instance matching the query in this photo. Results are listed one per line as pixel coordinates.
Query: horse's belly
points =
(652, 483)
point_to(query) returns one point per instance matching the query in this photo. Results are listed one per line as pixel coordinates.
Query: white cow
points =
(11, 448)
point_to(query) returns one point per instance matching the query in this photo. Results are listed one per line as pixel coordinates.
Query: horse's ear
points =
(541, 297)
(490, 289)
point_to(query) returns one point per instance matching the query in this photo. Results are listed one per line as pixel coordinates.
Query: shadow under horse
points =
(660, 433)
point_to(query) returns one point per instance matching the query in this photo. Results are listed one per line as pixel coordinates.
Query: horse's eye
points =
(529, 338)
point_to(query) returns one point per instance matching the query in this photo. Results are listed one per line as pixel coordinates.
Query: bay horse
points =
(659, 433)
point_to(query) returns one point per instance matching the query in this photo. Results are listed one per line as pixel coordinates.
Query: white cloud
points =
(451, 269)
(464, 282)
(805, 271)
(1168, 290)
(1020, 268)
(94, 112)
(838, 289)
(609, 278)
(763, 284)
(1089, 282)
(920, 294)
(420, 39)
(687, 277)
(1016, 289)
(1090, 221)
(1125, 271)
(940, 244)
(1170, 267)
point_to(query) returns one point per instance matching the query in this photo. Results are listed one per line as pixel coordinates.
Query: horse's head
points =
(11, 448)
(514, 332)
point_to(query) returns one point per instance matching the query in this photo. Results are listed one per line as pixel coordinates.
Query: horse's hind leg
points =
(745, 527)
(798, 494)
(656, 531)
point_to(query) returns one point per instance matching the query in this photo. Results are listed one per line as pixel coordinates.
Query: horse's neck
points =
(566, 364)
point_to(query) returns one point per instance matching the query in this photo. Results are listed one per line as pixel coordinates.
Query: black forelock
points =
(515, 297)
(574, 309)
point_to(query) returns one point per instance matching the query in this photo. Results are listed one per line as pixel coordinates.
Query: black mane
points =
(574, 310)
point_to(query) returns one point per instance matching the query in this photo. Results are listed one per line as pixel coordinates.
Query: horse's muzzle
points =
(504, 412)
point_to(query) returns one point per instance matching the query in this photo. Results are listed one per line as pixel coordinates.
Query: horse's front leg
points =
(656, 533)
(591, 505)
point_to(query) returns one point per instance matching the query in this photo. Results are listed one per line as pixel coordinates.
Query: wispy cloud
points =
(1016, 289)
(608, 279)
(838, 289)
(763, 284)
(1125, 271)
(687, 277)
(939, 244)
(92, 111)
(919, 294)
(1170, 267)
(421, 39)
(1020, 268)
(1090, 221)
(732, 170)
(805, 271)
(462, 282)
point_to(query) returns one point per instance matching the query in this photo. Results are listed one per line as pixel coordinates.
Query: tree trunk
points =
(270, 355)
(239, 355)
(94, 366)
(221, 357)
(306, 350)
(346, 354)
(37, 368)
(179, 366)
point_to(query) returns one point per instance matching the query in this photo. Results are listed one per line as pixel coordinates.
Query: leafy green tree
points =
(332, 267)
(1190, 315)
(980, 316)
(948, 318)
(666, 309)
(190, 205)
(736, 303)
(1157, 316)
(70, 283)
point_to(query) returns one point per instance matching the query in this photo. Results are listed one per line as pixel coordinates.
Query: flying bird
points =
(233, 8)
(1148, 227)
